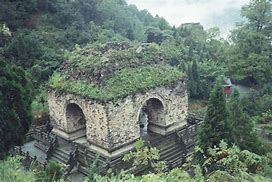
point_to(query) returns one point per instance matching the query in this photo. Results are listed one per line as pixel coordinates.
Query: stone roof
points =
(113, 70)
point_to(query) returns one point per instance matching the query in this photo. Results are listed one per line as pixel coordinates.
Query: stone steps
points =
(161, 144)
(61, 155)
(171, 152)
(167, 149)
(175, 153)
(176, 163)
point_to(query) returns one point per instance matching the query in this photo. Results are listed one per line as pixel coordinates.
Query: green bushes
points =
(12, 171)
(15, 106)
(54, 171)
(221, 163)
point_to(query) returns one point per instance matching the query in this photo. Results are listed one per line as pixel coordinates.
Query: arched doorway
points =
(75, 118)
(151, 113)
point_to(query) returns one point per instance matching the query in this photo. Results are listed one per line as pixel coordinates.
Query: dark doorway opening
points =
(75, 117)
(151, 114)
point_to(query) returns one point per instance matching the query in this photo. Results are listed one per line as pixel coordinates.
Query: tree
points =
(196, 80)
(243, 129)
(215, 127)
(198, 88)
(258, 13)
(251, 53)
(21, 48)
(15, 106)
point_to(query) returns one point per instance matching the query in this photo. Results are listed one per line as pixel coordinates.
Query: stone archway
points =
(151, 114)
(75, 118)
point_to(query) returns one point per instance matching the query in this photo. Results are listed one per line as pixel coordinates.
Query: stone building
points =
(112, 128)
(103, 99)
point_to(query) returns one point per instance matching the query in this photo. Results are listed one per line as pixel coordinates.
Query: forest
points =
(38, 36)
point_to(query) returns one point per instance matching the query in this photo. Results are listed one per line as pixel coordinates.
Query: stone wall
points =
(123, 115)
(95, 118)
(114, 124)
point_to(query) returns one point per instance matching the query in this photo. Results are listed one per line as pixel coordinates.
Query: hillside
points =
(55, 26)
(106, 49)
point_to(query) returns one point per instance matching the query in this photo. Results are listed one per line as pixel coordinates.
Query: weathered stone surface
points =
(95, 117)
(115, 124)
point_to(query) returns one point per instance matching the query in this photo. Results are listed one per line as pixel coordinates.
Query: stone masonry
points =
(113, 127)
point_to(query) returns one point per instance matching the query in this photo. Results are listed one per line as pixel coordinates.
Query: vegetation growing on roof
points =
(99, 63)
(125, 82)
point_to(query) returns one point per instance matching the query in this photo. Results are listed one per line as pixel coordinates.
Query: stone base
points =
(114, 153)
(70, 136)
(165, 130)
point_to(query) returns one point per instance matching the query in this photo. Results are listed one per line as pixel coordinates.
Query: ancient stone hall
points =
(103, 99)
(112, 128)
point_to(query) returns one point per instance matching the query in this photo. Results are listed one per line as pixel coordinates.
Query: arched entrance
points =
(75, 118)
(151, 113)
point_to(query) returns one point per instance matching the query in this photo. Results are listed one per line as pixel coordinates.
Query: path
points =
(243, 90)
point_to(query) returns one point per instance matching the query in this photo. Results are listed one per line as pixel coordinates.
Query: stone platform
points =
(77, 156)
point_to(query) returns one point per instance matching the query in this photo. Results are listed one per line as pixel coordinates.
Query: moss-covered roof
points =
(114, 70)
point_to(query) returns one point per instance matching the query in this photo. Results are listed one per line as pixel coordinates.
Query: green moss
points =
(126, 81)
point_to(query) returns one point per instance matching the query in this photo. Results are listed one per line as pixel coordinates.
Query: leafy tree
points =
(145, 156)
(17, 14)
(215, 127)
(21, 49)
(243, 128)
(252, 44)
(232, 163)
(15, 106)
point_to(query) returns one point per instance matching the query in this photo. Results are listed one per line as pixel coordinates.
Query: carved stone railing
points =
(194, 119)
(45, 140)
(27, 160)
(72, 161)
(187, 137)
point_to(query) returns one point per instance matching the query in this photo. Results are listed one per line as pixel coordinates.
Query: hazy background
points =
(210, 13)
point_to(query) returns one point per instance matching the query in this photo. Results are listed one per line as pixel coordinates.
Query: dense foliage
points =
(15, 106)
(12, 170)
(222, 163)
(242, 126)
(215, 127)
(251, 52)
(42, 36)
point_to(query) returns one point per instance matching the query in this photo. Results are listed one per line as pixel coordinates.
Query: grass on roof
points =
(123, 83)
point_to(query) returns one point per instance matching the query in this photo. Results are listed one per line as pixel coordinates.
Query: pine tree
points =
(196, 80)
(215, 127)
(191, 83)
(243, 134)
(194, 84)
(15, 106)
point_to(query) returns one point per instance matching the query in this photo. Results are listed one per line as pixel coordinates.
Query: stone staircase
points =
(170, 151)
(62, 154)
(86, 159)
(173, 155)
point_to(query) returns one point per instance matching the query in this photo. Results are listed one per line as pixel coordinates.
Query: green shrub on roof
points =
(123, 83)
